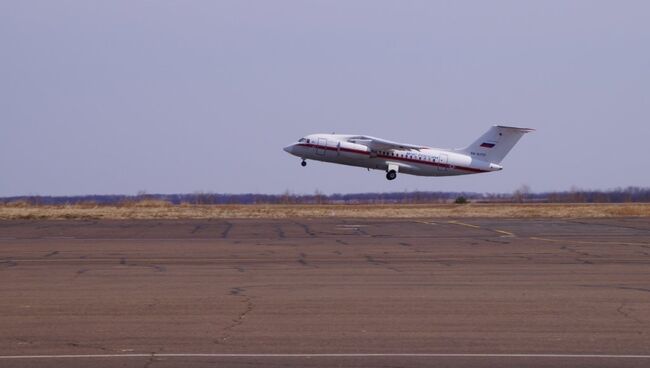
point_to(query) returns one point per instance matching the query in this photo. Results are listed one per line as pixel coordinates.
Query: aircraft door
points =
(320, 149)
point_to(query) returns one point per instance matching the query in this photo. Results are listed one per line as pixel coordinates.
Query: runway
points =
(325, 292)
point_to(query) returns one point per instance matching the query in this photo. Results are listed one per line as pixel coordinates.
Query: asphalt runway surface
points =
(325, 292)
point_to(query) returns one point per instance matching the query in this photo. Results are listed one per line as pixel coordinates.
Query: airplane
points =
(484, 155)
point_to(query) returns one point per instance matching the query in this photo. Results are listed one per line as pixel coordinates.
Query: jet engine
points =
(347, 149)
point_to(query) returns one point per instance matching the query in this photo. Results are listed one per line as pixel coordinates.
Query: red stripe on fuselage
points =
(365, 153)
(435, 164)
(405, 159)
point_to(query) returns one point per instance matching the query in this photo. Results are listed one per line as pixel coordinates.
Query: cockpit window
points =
(302, 140)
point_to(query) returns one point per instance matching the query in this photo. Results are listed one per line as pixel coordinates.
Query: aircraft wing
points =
(382, 144)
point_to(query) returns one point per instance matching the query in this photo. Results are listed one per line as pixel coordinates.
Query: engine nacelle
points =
(347, 149)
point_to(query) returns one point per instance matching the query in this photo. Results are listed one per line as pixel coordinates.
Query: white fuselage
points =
(337, 148)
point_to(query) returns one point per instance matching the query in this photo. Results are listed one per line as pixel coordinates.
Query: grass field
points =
(164, 210)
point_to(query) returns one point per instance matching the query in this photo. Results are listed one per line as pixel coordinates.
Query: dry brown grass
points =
(146, 203)
(164, 210)
(18, 204)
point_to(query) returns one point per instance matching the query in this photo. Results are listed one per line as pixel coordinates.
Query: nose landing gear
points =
(303, 163)
(391, 175)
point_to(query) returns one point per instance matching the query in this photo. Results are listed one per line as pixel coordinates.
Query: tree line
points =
(521, 195)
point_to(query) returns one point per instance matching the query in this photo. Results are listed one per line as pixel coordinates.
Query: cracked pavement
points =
(324, 286)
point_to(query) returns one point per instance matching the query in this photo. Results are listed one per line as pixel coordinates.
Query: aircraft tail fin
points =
(495, 144)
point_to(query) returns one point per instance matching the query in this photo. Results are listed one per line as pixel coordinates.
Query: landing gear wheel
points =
(391, 175)
(303, 163)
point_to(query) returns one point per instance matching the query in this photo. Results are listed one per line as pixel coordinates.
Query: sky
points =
(117, 97)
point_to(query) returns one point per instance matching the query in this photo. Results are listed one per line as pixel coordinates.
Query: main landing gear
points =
(391, 175)
(303, 163)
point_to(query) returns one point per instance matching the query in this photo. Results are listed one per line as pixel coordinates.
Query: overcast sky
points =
(107, 97)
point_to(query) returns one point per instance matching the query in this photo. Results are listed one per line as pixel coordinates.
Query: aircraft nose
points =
(288, 148)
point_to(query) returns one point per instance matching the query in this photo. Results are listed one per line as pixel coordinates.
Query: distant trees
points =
(319, 197)
(521, 195)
